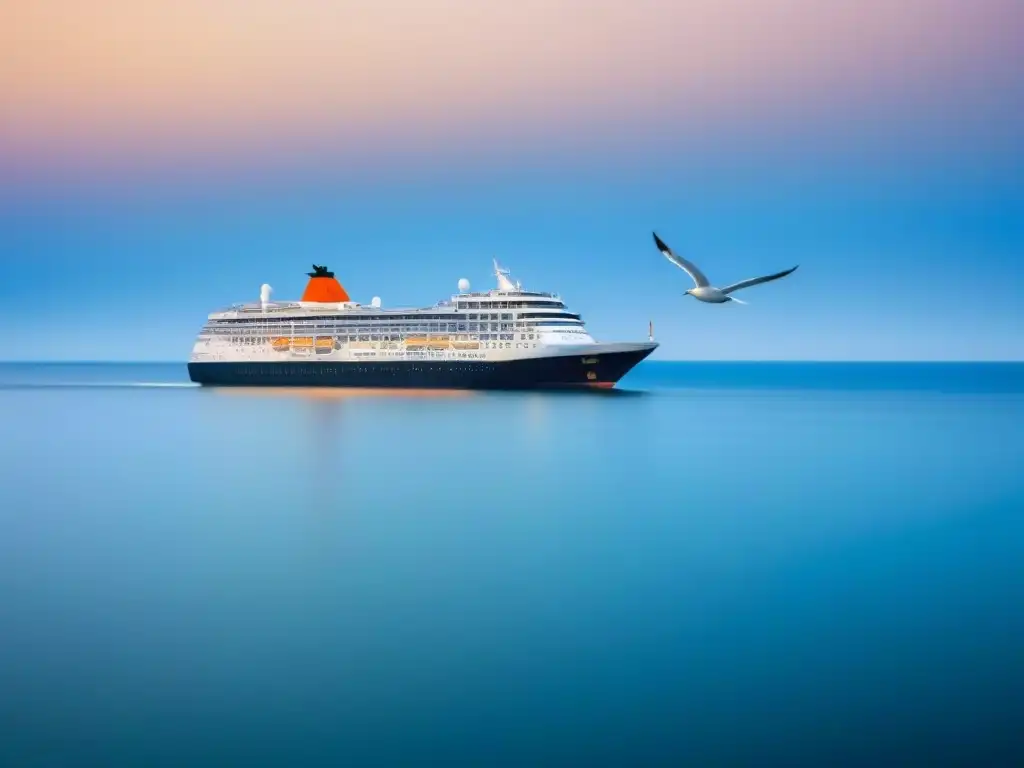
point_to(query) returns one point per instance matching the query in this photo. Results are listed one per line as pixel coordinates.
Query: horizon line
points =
(1017, 361)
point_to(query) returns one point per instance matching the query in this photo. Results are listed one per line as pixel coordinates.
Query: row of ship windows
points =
(443, 353)
(364, 318)
(509, 304)
(396, 318)
(394, 331)
(424, 328)
(524, 316)
(254, 340)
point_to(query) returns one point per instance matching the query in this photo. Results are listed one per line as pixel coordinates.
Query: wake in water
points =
(98, 384)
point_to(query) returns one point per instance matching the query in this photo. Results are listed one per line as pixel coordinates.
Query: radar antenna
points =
(504, 284)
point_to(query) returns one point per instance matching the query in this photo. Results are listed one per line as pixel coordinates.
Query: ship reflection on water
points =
(343, 393)
(348, 393)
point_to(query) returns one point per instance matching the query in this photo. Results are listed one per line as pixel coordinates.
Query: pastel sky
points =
(160, 159)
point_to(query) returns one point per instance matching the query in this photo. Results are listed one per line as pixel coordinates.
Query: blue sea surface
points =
(715, 564)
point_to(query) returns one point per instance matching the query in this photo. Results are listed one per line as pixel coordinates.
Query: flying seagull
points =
(704, 291)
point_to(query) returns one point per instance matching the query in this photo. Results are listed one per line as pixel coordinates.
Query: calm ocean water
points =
(721, 564)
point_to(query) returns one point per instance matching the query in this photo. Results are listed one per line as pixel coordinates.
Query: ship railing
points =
(275, 306)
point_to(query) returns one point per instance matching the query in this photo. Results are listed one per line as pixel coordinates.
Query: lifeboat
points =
(432, 342)
(303, 342)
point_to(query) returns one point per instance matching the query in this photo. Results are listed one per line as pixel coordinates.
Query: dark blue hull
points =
(595, 369)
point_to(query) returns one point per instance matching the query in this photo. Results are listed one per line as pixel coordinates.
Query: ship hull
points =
(600, 366)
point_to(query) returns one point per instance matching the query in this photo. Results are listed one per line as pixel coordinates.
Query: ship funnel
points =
(323, 287)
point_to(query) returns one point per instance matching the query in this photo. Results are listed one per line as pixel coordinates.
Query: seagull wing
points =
(756, 281)
(683, 264)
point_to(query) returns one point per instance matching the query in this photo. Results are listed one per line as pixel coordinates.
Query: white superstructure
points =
(506, 323)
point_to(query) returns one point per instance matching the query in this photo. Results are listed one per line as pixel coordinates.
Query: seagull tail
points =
(738, 301)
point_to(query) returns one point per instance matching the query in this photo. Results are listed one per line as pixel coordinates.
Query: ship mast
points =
(504, 284)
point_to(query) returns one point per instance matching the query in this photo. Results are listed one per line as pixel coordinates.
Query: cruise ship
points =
(505, 338)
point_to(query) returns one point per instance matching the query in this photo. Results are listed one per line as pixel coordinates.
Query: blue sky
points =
(147, 177)
(897, 263)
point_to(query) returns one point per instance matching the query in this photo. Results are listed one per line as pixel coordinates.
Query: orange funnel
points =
(323, 287)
